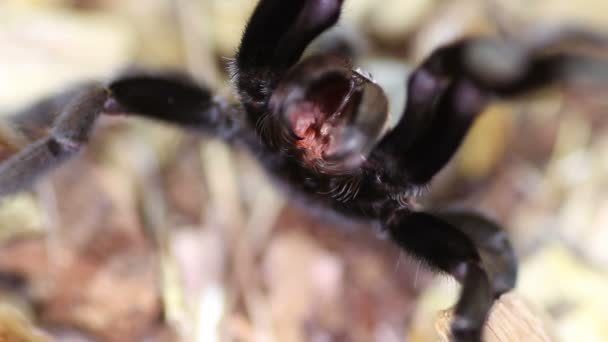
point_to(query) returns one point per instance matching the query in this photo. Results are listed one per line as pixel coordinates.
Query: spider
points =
(317, 125)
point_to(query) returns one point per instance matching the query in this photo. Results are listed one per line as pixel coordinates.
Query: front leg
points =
(453, 86)
(451, 115)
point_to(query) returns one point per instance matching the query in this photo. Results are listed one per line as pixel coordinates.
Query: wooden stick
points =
(511, 320)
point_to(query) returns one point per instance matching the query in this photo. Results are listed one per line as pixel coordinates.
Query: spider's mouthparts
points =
(336, 113)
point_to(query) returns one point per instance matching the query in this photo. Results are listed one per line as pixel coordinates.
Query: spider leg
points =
(454, 113)
(71, 130)
(444, 247)
(274, 40)
(170, 97)
(34, 120)
(493, 245)
(279, 31)
(552, 54)
(452, 87)
(508, 68)
(176, 99)
(440, 119)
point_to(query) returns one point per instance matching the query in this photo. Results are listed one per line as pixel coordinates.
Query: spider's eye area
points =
(335, 113)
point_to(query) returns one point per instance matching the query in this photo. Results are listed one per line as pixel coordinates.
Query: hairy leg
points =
(70, 131)
(274, 40)
(34, 120)
(452, 117)
(176, 99)
(453, 85)
(493, 246)
(56, 128)
(446, 248)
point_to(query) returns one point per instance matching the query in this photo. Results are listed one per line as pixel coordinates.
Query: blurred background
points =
(152, 234)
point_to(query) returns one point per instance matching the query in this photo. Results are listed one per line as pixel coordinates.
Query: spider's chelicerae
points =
(317, 126)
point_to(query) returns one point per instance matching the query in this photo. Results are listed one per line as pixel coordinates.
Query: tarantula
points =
(318, 126)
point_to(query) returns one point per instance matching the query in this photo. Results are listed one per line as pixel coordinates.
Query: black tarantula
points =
(317, 126)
